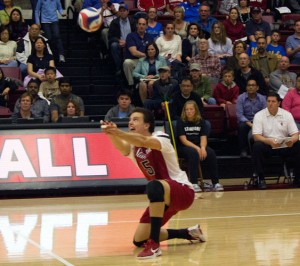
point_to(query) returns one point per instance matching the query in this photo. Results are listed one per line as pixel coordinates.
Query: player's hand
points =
(108, 127)
(203, 154)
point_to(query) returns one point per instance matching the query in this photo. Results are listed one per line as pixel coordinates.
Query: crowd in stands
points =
(190, 53)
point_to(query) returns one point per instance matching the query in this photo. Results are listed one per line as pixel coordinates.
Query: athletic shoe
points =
(196, 233)
(207, 185)
(151, 250)
(218, 187)
(196, 188)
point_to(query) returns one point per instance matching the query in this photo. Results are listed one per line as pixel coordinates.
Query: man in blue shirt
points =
(97, 3)
(292, 45)
(191, 8)
(206, 20)
(248, 104)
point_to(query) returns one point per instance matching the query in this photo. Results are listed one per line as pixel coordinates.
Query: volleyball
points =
(89, 19)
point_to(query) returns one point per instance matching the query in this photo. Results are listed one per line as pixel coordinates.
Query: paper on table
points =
(283, 10)
(283, 91)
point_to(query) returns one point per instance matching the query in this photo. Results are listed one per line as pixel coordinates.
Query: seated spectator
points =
(190, 44)
(7, 86)
(72, 109)
(180, 25)
(169, 45)
(135, 48)
(244, 11)
(170, 6)
(185, 94)
(247, 105)
(201, 85)
(7, 49)
(59, 102)
(205, 19)
(271, 125)
(252, 48)
(5, 13)
(49, 87)
(118, 30)
(39, 106)
(271, 8)
(292, 45)
(282, 77)
(192, 133)
(226, 91)
(273, 47)
(218, 43)
(264, 61)
(144, 5)
(262, 4)
(163, 90)
(291, 102)
(17, 27)
(123, 108)
(294, 5)
(154, 28)
(257, 23)
(146, 70)
(241, 75)
(226, 6)
(234, 27)
(25, 108)
(39, 60)
(191, 8)
(210, 64)
(239, 47)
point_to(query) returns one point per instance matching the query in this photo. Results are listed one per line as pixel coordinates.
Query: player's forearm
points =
(120, 144)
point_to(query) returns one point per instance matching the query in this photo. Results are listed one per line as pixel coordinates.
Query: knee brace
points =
(155, 191)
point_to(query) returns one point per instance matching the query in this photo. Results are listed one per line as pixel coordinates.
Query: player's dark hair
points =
(148, 117)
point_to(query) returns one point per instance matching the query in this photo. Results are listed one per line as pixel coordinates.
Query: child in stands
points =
(274, 47)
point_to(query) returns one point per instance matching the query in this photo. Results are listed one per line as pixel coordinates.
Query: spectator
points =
(25, 108)
(49, 88)
(5, 13)
(144, 5)
(264, 61)
(180, 25)
(201, 85)
(205, 19)
(185, 94)
(33, 6)
(294, 5)
(47, 9)
(118, 30)
(282, 77)
(218, 43)
(252, 48)
(234, 27)
(17, 27)
(274, 47)
(170, 6)
(191, 8)
(59, 102)
(239, 47)
(147, 70)
(154, 28)
(72, 109)
(7, 86)
(227, 5)
(291, 102)
(163, 89)
(244, 11)
(39, 107)
(210, 64)
(136, 43)
(226, 91)
(262, 4)
(97, 3)
(292, 45)
(124, 107)
(241, 75)
(192, 132)
(270, 126)
(26, 45)
(257, 23)
(7, 49)
(247, 105)
(169, 45)
(190, 44)
(271, 8)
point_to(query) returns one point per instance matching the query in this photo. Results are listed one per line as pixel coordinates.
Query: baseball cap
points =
(164, 68)
(256, 9)
(123, 5)
(194, 67)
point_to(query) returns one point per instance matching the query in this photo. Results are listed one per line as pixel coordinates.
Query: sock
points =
(155, 228)
(178, 233)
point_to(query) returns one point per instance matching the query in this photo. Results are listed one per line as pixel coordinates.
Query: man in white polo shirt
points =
(275, 133)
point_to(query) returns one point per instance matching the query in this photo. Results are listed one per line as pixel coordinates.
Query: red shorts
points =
(182, 197)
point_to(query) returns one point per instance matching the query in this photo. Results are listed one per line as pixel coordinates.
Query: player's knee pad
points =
(155, 191)
(139, 243)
